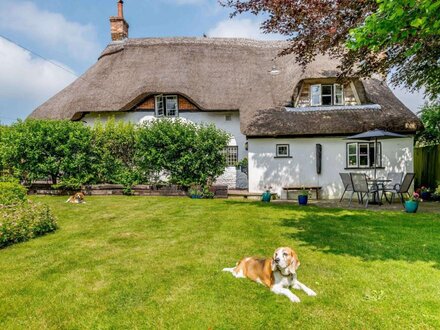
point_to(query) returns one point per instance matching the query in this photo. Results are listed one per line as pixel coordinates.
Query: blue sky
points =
(73, 33)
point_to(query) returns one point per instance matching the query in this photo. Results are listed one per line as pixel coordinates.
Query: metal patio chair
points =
(346, 181)
(360, 186)
(400, 189)
(396, 178)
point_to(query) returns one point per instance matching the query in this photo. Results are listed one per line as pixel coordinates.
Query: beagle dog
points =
(278, 273)
(78, 198)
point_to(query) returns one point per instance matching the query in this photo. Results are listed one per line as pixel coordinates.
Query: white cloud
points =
(240, 28)
(51, 29)
(26, 82)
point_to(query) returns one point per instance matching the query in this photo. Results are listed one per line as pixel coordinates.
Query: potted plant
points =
(425, 193)
(195, 193)
(267, 195)
(303, 197)
(412, 204)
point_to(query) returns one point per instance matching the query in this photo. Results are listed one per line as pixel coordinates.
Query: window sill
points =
(283, 157)
(364, 168)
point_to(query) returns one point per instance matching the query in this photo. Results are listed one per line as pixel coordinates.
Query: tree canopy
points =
(430, 116)
(396, 38)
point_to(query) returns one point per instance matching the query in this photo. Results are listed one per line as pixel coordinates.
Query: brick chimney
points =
(118, 24)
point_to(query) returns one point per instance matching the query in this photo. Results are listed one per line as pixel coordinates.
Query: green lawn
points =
(133, 262)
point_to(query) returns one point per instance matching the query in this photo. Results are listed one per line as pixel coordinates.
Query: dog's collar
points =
(288, 272)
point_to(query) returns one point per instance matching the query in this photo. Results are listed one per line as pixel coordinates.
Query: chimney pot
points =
(121, 8)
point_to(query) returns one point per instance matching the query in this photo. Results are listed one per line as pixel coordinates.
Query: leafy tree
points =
(187, 153)
(400, 38)
(39, 149)
(430, 116)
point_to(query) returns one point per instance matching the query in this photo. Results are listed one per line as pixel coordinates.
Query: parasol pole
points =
(375, 157)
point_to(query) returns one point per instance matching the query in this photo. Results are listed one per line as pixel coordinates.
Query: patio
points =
(424, 207)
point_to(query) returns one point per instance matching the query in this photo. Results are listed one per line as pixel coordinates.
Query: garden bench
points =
(296, 188)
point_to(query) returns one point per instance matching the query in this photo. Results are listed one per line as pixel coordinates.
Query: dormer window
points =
(167, 106)
(326, 94)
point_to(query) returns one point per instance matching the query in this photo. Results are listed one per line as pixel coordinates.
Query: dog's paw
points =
(295, 299)
(311, 293)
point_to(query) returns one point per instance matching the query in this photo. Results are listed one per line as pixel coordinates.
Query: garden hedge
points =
(71, 154)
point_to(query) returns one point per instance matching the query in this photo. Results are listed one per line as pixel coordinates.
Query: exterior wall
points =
(231, 126)
(233, 178)
(265, 170)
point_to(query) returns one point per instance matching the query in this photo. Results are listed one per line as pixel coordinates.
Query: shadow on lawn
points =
(368, 235)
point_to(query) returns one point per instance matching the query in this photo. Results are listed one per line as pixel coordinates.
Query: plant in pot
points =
(412, 204)
(303, 197)
(195, 193)
(425, 193)
(267, 195)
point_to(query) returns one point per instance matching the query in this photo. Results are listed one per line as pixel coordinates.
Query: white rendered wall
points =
(232, 177)
(265, 170)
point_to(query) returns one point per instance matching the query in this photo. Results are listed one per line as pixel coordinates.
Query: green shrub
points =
(12, 193)
(41, 149)
(185, 152)
(25, 221)
(71, 154)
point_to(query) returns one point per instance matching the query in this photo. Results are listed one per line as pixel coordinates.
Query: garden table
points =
(379, 184)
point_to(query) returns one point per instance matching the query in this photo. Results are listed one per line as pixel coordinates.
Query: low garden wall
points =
(118, 189)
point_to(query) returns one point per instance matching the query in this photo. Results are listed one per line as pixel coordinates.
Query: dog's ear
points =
(294, 262)
(273, 265)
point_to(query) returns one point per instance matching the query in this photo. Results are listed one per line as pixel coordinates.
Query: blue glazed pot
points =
(411, 206)
(196, 196)
(425, 195)
(302, 200)
(266, 197)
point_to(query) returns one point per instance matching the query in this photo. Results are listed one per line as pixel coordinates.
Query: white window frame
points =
(231, 155)
(161, 109)
(318, 93)
(278, 154)
(363, 155)
(357, 154)
(341, 94)
(159, 106)
(351, 154)
(327, 95)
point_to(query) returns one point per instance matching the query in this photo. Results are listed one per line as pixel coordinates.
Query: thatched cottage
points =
(276, 113)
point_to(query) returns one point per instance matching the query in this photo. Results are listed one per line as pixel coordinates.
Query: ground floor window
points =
(362, 154)
(231, 153)
(282, 150)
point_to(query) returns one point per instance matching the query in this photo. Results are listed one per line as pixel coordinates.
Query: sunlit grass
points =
(133, 262)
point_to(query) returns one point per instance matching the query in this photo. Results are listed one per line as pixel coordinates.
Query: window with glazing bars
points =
(231, 153)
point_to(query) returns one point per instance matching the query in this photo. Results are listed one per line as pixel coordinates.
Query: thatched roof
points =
(221, 74)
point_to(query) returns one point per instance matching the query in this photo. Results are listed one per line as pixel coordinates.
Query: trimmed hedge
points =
(25, 221)
(71, 154)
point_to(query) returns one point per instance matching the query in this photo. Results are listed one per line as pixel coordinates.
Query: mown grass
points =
(135, 263)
